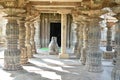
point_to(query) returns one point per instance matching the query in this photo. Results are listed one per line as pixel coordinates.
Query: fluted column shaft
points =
(37, 34)
(22, 29)
(94, 53)
(116, 68)
(32, 38)
(63, 53)
(27, 40)
(85, 45)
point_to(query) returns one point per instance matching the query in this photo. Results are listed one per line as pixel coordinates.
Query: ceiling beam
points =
(58, 0)
(55, 3)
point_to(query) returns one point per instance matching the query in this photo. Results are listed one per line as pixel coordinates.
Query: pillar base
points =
(96, 69)
(108, 54)
(63, 56)
(24, 61)
(93, 62)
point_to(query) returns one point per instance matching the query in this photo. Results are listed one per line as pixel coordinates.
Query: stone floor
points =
(50, 67)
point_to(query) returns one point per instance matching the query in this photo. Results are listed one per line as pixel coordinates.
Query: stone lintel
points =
(64, 11)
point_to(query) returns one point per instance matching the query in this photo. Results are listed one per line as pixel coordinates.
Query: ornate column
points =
(63, 53)
(116, 68)
(93, 62)
(85, 44)
(80, 36)
(76, 49)
(27, 39)
(108, 54)
(109, 37)
(12, 53)
(32, 37)
(37, 33)
(22, 29)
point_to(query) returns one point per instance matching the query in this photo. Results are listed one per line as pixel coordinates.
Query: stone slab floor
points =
(50, 67)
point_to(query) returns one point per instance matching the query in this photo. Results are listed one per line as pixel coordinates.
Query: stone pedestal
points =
(12, 53)
(27, 40)
(94, 54)
(63, 53)
(23, 59)
(32, 38)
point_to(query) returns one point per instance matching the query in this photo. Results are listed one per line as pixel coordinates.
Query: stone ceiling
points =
(86, 7)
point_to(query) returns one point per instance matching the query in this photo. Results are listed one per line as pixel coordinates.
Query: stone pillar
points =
(37, 33)
(76, 49)
(116, 69)
(12, 53)
(108, 54)
(85, 44)
(63, 53)
(80, 36)
(93, 62)
(32, 38)
(22, 47)
(27, 40)
(109, 37)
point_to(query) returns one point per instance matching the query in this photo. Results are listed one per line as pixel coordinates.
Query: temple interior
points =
(60, 39)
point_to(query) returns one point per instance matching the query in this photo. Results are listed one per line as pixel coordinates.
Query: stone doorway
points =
(55, 30)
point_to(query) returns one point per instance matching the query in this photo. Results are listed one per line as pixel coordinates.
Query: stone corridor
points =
(49, 67)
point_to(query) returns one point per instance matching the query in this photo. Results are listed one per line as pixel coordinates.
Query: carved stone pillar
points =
(116, 68)
(77, 46)
(22, 47)
(37, 33)
(93, 62)
(109, 37)
(108, 54)
(12, 53)
(27, 40)
(32, 38)
(80, 36)
(63, 53)
(85, 44)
